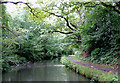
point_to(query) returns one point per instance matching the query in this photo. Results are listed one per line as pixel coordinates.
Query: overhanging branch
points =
(8, 30)
(63, 18)
(110, 6)
(116, 8)
(118, 4)
(63, 32)
(73, 25)
(31, 10)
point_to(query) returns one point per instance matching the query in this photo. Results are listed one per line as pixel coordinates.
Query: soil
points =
(94, 66)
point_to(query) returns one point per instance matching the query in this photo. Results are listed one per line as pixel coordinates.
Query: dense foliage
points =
(60, 28)
(29, 41)
(100, 35)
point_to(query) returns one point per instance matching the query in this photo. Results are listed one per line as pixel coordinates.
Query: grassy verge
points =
(88, 61)
(95, 75)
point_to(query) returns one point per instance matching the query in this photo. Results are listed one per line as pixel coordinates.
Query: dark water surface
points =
(42, 71)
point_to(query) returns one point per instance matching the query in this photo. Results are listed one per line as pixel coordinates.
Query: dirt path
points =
(91, 65)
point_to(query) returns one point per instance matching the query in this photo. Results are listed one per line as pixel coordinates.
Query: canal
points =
(42, 71)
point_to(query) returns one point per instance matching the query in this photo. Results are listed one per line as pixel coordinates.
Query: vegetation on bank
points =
(55, 29)
(87, 60)
(93, 74)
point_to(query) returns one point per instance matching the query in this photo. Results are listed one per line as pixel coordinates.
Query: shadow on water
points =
(43, 71)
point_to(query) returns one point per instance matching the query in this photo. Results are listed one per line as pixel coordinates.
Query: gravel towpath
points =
(94, 66)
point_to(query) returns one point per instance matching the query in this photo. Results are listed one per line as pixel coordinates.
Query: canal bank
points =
(90, 71)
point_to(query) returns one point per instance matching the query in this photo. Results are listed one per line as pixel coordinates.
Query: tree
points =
(85, 23)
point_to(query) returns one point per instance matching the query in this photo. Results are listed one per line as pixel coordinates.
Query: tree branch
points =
(86, 4)
(31, 10)
(63, 18)
(110, 6)
(8, 30)
(73, 25)
(118, 4)
(63, 32)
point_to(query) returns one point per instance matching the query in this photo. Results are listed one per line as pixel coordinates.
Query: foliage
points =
(57, 46)
(100, 34)
(92, 27)
(9, 56)
(32, 42)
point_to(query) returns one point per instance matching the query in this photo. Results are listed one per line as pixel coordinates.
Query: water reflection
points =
(46, 71)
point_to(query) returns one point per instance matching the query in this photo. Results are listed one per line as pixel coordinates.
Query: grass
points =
(93, 74)
(88, 61)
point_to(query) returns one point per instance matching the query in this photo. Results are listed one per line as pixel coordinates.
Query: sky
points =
(12, 7)
(14, 11)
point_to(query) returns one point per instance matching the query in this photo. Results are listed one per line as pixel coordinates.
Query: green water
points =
(42, 71)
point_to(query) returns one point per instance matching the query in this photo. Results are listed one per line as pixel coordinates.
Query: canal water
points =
(42, 71)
